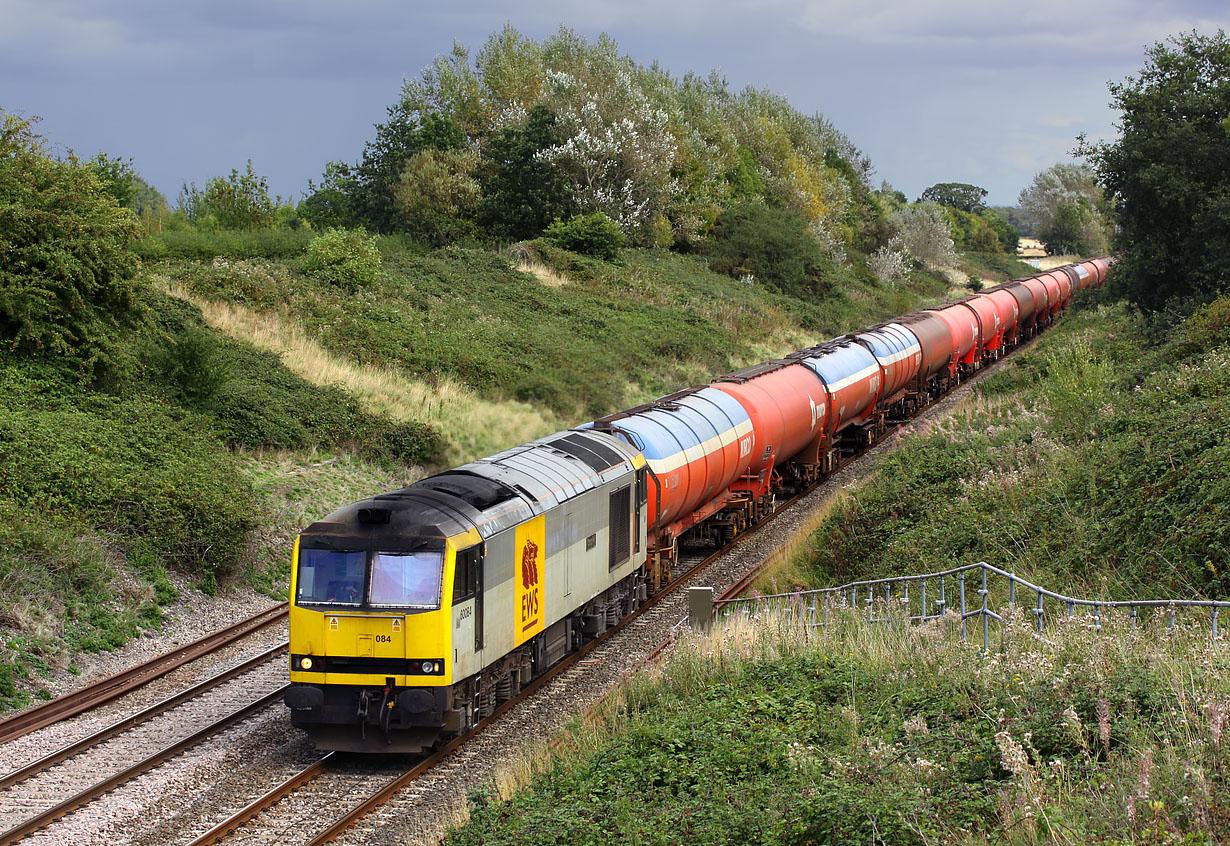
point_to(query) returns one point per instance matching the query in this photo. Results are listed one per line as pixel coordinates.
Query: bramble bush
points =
(772, 245)
(204, 245)
(590, 234)
(347, 258)
(68, 279)
(766, 733)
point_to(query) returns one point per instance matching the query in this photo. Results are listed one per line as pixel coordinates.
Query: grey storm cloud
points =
(949, 90)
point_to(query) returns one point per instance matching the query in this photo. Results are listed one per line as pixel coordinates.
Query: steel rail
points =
(268, 800)
(111, 688)
(71, 804)
(72, 749)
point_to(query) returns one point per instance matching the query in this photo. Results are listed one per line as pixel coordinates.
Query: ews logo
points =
(531, 591)
(529, 584)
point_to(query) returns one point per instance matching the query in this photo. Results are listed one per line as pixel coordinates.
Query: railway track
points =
(113, 687)
(330, 798)
(90, 741)
(386, 805)
(39, 794)
(36, 793)
(249, 823)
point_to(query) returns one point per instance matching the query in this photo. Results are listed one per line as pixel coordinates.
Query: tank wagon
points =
(416, 612)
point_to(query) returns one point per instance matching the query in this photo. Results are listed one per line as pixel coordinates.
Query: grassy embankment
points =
(257, 399)
(1093, 464)
(898, 735)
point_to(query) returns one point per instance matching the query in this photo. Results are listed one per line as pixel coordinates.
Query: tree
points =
(1064, 235)
(437, 194)
(372, 183)
(1169, 174)
(1016, 218)
(925, 234)
(1009, 238)
(117, 177)
(1072, 185)
(522, 194)
(67, 269)
(972, 232)
(772, 245)
(240, 201)
(957, 195)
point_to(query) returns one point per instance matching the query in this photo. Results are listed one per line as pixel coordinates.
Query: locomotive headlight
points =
(305, 663)
(428, 666)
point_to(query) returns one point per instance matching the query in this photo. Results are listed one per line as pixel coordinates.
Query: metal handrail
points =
(896, 589)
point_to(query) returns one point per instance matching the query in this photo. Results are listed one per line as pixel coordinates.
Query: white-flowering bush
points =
(890, 263)
(617, 153)
(924, 232)
(1058, 185)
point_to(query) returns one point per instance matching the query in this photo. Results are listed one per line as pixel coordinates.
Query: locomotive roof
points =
(490, 494)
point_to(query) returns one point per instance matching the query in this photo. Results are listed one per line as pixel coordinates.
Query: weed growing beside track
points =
(897, 734)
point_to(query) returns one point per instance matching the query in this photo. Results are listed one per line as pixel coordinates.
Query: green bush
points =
(347, 258)
(768, 733)
(770, 245)
(252, 399)
(409, 442)
(1207, 329)
(155, 480)
(200, 245)
(68, 273)
(255, 283)
(589, 234)
(194, 366)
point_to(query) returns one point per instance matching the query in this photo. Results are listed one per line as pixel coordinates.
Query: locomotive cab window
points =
(465, 579)
(407, 579)
(330, 577)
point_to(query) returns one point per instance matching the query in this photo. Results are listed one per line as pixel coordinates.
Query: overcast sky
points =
(931, 90)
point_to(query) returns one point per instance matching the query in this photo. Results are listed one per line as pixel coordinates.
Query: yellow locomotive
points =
(415, 613)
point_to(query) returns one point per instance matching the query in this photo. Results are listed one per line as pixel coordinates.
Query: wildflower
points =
(1146, 772)
(1012, 753)
(916, 726)
(1103, 714)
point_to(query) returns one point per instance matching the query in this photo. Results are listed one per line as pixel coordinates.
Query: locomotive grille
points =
(621, 511)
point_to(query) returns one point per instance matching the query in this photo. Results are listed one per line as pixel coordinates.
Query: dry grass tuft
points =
(473, 427)
(546, 275)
